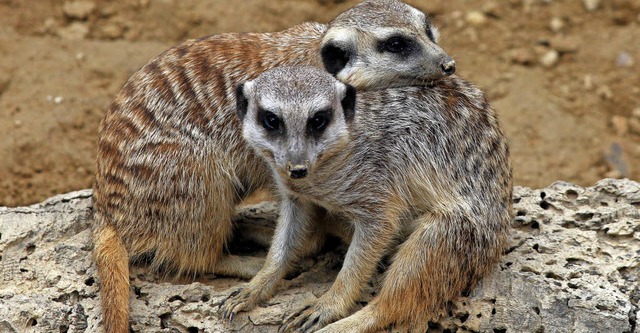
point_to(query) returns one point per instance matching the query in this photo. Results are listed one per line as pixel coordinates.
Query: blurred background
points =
(562, 74)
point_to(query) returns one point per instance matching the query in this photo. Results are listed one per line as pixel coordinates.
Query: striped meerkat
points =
(171, 163)
(432, 182)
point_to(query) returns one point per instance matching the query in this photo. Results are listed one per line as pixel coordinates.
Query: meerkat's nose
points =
(298, 171)
(448, 66)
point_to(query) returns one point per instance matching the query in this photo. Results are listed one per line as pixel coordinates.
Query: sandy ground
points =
(563, 77)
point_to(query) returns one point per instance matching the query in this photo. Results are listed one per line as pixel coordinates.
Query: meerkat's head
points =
(295, 116)
(384, 43)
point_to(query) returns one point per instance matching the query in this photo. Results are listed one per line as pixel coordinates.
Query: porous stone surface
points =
(573, 266)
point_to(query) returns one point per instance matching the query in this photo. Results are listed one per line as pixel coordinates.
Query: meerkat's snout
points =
(448, 66)
(297, 171)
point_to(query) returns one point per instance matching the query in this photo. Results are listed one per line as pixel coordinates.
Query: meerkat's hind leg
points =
(244, 267)
(428, 270)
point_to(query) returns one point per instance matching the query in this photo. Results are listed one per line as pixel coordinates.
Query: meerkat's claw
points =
(243, 298)
(287, 322)
(228, 306)
(309, 318)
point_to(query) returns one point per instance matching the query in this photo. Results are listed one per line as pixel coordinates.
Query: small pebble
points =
(588, 82)
(605, 92)
(112, 31)
(58, 99)
(591, 5)
(634, 126)
(550, 58)
(78, 10)
(620, 125)
(491, 8)
(50, 25)
(74, 31)
(624, 59)
(476, 18)
(557, 24)
(522, 56)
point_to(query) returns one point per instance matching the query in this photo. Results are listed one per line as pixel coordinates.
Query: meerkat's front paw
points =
(309, 318)
(241, 299)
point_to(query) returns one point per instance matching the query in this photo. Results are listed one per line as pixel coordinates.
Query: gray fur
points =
(427, 167)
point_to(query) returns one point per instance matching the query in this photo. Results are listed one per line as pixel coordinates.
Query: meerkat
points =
(434, 178)
(171, 163)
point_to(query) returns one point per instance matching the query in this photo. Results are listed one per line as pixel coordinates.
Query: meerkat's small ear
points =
(334, 57)
(338, 47)
(242, 103)
(435, 34)
(349, 102)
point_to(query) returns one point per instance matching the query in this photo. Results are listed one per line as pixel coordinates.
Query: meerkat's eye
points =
(319, 121)
(396, 44)
(269, 120)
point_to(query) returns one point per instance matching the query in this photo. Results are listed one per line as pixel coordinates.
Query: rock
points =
(522, 56)
(624, 60)
(74, 31)
(557, 24)
(49, 26)
(550, 58)
(111, 31)
(591, 5)
(604, 92)
(588, 82)
(572, 266)
(492, 8)
(620, 125)
(634, 126)
(78, 10)
(476, 18)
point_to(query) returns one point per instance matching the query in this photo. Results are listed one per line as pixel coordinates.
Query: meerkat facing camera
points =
(171, 164)
(435, 178)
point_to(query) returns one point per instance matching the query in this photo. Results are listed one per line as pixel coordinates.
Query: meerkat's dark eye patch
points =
(319, 122)
(269, 120)
(397, 44)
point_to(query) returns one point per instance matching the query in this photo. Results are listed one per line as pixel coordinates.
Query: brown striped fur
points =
(432, 182)
(171, 162)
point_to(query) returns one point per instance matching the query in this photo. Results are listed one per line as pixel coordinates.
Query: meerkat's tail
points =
(113, 268)
(438, 262)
